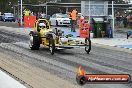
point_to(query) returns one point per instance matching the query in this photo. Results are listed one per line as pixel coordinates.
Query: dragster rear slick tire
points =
(34, 40)
(88, 45)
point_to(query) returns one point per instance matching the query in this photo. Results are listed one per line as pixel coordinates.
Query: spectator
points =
(31, 14)
(117, 21)
(125, 22)
(43, 15)
(73, 15)
(38, 15)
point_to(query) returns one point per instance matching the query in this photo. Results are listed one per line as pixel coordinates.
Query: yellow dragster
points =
(54, 38)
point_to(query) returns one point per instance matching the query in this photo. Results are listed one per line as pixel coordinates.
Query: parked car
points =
(8, 17)
(0, 18)
(60, 19)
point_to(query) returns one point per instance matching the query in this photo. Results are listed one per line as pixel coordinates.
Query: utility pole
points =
(14, 11)
(113, 18)
(21, 13)
(89, 12)
(18, 8)
(46, 8)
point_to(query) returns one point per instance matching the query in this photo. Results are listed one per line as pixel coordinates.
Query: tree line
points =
(8, 5)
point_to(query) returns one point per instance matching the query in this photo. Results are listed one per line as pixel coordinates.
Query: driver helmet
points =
(42, 25)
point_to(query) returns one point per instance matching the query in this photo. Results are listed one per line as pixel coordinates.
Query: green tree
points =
(73, 1)
(7, 5)
(120, 2)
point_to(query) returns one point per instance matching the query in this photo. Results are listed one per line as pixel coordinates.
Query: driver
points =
(42, 26)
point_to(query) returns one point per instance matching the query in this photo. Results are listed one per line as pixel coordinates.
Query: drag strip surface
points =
(64, 63)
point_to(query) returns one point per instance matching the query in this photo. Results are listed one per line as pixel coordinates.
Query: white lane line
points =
(8, 82)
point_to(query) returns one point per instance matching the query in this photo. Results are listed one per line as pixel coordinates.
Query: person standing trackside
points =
(125, 22)
(73, 15)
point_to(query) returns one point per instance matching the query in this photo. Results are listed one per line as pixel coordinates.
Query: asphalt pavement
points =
(39, 69)
(9, 24)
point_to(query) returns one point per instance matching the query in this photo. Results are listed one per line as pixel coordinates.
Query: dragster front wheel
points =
(88, 45)
(51, 46)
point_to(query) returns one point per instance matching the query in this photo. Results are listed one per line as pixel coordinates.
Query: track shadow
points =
(57, 51)
(64, 52)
